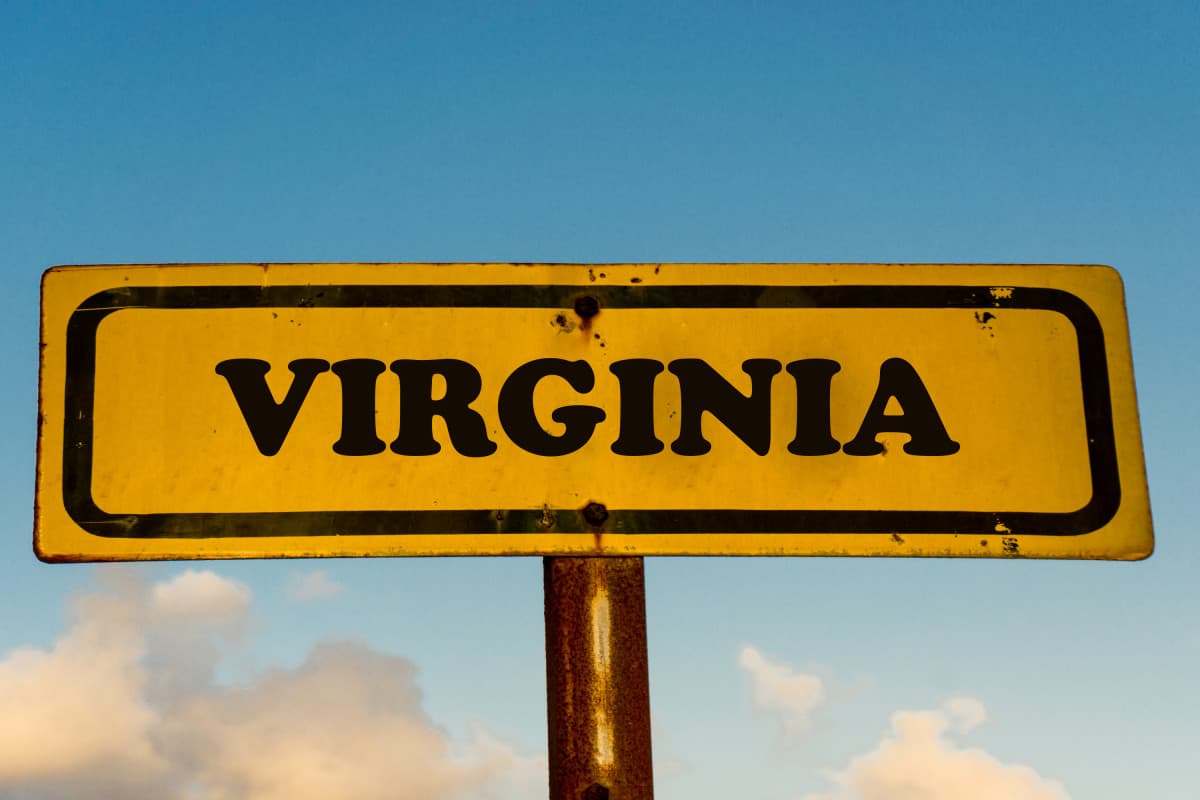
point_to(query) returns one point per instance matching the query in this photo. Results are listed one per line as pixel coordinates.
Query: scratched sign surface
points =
(341, 409)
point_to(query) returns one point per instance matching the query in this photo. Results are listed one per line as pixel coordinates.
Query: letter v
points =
(268, 421)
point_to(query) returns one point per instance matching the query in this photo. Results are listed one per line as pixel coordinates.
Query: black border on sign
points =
(80, 389)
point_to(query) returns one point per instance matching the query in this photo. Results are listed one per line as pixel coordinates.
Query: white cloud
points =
(964, 713)
(917, 761)
(778, 688)
(77, 713)
(200, 595)
(315, 585)
(347, 723)
(124, 705)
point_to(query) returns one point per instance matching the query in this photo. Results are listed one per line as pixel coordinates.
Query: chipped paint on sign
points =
(226, 411)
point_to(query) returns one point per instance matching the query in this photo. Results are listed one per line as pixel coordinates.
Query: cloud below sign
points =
(918, 759)
(124, 704)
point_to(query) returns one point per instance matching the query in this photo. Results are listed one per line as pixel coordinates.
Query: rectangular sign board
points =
(273, 410)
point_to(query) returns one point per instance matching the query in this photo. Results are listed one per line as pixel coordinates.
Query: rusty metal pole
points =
(597, 680)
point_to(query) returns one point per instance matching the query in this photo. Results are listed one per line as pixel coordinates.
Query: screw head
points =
(587, 306)
(595, 514)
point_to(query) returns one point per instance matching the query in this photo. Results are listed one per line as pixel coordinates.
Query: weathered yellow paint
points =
(1014, 384)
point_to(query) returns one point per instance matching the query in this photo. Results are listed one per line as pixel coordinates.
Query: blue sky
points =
(933, 132)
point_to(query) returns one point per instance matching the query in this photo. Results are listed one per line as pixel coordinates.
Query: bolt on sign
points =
(268, 410)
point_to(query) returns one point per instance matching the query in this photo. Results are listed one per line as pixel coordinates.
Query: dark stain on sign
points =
(564, 323)
(984, 318)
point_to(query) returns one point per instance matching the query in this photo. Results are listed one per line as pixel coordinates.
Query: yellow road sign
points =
(225, 411)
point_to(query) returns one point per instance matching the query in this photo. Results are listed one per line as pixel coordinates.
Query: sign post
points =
(591, 415)
(597, 683)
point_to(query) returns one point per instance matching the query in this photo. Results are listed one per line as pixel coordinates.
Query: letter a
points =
(920, 419)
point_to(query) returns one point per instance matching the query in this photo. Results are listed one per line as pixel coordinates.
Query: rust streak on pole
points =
(597, 679)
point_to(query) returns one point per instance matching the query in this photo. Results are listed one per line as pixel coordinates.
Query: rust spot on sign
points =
(984, 319)
(563, 322)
